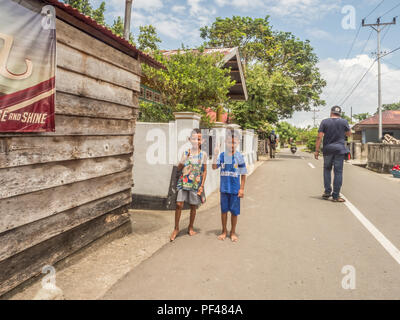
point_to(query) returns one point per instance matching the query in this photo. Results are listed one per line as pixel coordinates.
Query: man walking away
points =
(333, 130)
(272, 144)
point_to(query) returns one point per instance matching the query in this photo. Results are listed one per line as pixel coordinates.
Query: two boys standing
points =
(194, 171)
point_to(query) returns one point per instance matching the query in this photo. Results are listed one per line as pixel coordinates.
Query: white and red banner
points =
(27, 66)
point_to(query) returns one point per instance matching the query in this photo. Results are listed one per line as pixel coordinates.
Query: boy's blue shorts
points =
(230, 202)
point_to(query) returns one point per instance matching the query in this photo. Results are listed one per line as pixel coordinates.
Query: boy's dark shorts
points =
(230, 202)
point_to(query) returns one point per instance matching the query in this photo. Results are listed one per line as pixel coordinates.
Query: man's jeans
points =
(336, 161)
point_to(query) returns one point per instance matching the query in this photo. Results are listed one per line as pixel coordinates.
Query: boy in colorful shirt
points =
(191, 182)
(233, 178)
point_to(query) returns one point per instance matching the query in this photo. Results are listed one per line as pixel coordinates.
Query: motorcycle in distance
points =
(293, 147)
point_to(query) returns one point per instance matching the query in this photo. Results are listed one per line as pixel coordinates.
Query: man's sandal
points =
(338, 200)
(326, 196)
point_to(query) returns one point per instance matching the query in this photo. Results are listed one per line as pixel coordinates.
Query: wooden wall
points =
(60, 191)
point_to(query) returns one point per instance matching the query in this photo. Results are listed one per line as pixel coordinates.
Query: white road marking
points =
(390, 248)
(311, 165)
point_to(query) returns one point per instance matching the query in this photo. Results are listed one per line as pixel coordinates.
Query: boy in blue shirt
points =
(233, 178)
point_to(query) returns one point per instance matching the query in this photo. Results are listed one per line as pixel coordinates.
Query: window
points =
(149, 95)
(141, 93)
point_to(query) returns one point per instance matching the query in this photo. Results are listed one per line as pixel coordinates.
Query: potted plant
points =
(396, 171)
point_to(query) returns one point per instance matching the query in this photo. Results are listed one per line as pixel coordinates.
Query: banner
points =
(27, 66)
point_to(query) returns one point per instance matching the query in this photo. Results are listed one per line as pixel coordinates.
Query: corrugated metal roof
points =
(389, 117)
(104, 30)
(224, 51)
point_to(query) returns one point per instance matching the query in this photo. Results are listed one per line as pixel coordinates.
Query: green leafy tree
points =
(154, 112)
(148, 39)
(98, 14)
(86, 8)
(118, 29)
(286, 131)
(361, 116)
(281, 70)
(311, 139)
(303, 134)
(83, 6)
(390, 106)
(252, 36)
(346, 117)
(192, 81)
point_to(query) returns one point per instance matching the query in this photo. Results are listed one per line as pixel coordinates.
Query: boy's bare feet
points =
(234, 237)
(191, 232)
(222, 236)
(174, 234)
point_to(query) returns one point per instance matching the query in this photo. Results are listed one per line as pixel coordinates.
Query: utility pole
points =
(315, 116)
(378, 27)
(127, 22)
(351, 114)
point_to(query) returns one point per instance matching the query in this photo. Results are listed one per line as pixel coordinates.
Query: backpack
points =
(272, 138)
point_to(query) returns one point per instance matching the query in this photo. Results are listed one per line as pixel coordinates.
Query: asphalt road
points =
(292, 244)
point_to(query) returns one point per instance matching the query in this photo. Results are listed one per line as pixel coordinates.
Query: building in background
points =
(367, 130)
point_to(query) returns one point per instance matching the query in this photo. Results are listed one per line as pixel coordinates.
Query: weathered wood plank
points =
(81, 85)
(28, 263)
(26, 179)
(77, 39)
(83, 126)
(70, 125)
(21, 151)
(19, 239)
(67, 104)
(71, 59)
(27, 208)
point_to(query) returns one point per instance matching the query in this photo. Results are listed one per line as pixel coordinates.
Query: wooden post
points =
(219, 114)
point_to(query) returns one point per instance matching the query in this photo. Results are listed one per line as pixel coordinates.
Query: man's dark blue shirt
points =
(334, 130)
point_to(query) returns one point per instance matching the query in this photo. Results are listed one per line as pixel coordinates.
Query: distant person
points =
(333, 130)
(233, 178)
(190, 185)
(272, 140)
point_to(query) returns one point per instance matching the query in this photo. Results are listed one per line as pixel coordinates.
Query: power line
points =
(366, 43)
(392, 64)
(385, 54)
(351, 68)
(390, 10)
(378, 27)
(374, 9)
(387, 31)
(347, 56)
(361, 88)
(358, 83)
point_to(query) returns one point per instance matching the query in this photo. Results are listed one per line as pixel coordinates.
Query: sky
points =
(345, 49)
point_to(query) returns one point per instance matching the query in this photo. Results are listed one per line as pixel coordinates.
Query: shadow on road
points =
(215, 232)
(288, 156)
(318, 198)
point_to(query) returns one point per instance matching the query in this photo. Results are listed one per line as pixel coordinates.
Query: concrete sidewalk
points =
(92, 271)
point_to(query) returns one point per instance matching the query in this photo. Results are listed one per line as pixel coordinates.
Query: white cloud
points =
(341, 76)
(147, 5)
(299, 10)
(178, 9)
(165, 24)
(200, 12)
(319, 34)
(304, 11)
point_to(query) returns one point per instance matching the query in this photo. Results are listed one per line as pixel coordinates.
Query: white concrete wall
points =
(157, 147)
(152, 177)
